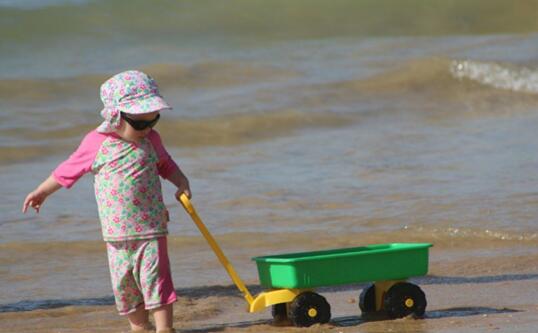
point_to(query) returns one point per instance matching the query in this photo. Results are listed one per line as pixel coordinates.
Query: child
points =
(127, 157)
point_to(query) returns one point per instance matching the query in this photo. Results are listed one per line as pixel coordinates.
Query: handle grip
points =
(185, 201)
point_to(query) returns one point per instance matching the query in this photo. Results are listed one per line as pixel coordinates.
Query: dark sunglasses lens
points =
(140, 125)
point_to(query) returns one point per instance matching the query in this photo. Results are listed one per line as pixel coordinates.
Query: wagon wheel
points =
(367, 300)
(279, 312)
(404, 299)
(308, 309)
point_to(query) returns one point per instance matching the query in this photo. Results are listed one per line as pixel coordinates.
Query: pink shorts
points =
(140, 274)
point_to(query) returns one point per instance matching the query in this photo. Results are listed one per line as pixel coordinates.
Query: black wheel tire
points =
(308, 309)
(404, 299)
(367, 300)
(279, 312)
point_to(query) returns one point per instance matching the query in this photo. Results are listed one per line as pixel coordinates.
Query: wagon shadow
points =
(434, 314)
(466, 312)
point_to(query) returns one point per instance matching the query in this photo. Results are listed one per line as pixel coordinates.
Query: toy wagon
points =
(292, 278)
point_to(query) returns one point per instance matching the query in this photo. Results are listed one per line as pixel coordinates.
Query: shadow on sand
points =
(231, 290)
(350, 321)
(436, 314)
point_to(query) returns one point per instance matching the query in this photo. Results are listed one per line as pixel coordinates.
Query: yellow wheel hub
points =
(312, 312)
(409, 302)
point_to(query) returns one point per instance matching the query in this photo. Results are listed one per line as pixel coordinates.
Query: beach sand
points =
(465, 294)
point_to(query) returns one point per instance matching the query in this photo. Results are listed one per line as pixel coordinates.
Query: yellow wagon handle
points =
(222, 258)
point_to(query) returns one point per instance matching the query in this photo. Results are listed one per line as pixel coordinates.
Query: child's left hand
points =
(186, 191)
(182, 183)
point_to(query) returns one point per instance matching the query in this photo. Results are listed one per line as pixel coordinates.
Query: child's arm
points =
(182, 183)
(68, 172)
(36, 198)
(168, 169)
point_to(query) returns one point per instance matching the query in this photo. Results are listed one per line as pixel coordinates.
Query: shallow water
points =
(293, 138)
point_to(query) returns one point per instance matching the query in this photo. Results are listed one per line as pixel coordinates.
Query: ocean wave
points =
(248, 127)
(169, 76)
(221, 130)
(517, 79)
(445, 76)
(430, 85)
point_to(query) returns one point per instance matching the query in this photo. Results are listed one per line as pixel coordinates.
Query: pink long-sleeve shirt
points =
(127, 185)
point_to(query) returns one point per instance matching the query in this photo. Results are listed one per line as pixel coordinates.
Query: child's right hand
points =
(35, 200)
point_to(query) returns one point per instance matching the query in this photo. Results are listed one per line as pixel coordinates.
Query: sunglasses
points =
(140, 125)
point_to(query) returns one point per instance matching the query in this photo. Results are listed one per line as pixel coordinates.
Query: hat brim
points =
(147, 104)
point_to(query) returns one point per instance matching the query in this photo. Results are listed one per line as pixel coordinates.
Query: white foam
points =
(520, 79)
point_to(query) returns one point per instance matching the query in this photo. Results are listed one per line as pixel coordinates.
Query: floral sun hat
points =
(131, 92)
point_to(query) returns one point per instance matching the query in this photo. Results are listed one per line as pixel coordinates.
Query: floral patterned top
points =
(127, 185)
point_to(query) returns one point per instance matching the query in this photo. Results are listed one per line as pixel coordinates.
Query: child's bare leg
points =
(164, 318)
(139, 319)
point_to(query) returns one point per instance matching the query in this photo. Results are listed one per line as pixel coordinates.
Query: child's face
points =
(130, 132)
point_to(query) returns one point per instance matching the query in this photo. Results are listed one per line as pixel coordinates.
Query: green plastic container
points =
(378, 262)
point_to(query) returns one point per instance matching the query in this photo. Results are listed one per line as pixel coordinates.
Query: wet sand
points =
(508, 306)
(467, 291)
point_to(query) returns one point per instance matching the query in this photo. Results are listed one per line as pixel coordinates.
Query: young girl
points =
(127, 157)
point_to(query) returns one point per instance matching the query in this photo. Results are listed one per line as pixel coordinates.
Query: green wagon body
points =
(378, 262)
